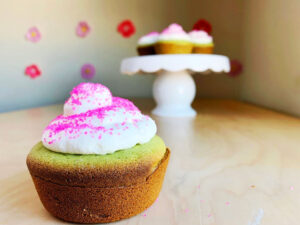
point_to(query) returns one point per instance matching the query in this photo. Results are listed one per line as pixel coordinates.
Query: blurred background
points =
(261, 34)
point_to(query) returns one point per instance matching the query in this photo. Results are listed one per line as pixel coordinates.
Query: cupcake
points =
(146, 44)
(173, 40)
(100, 161)
(202, 41)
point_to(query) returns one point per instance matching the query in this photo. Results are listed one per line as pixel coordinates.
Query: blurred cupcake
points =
(202, 41)
(146, 44)
(173, 40)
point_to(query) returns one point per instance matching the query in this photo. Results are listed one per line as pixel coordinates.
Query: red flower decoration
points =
(126, 28)
(236, 68)
(203, 24)
(33, 71)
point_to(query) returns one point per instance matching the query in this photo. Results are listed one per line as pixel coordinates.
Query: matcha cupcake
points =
(100, 161)
(173, 40)
(202, 42)
(146, 44)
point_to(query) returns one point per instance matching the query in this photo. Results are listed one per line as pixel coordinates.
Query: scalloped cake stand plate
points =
(174, 89)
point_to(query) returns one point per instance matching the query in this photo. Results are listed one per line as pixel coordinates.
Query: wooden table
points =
(234, 164)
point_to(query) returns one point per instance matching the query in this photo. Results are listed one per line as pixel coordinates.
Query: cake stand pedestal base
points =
(174, 92)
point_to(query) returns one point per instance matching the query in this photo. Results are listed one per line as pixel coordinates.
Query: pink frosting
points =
(174, 28)
(153, 33)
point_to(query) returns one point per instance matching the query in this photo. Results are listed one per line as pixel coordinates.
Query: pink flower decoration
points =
(88, 71)
(33, 34)
(83, 29)
(126, 28)
(236, 68)
(33, 71)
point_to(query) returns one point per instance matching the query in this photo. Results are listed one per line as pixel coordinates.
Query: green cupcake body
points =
(153, 151)
(122, 168)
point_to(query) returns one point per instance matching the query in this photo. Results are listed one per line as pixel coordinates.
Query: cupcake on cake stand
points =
(174, 89)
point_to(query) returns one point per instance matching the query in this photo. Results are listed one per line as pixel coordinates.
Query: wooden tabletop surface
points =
(234, 164)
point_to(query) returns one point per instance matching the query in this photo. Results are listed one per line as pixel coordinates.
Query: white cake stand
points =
(174, 89)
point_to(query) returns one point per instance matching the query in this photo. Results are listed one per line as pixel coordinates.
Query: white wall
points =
(271, 54)
(61, 53)
(226, 16)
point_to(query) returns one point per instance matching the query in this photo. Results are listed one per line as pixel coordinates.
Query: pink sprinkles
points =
(97, 94)
(91, 121)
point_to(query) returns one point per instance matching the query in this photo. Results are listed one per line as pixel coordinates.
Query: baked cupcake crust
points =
(174, 47)
(122, 168)
(100, 204)
(146, 50)
(203, 49)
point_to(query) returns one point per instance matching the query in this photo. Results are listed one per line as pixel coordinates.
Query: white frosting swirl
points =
(94, 122)
(148, 39)
(200, 37)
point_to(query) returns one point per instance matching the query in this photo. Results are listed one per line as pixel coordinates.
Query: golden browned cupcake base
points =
(100, 205)
(170, 48)
(203, 50)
